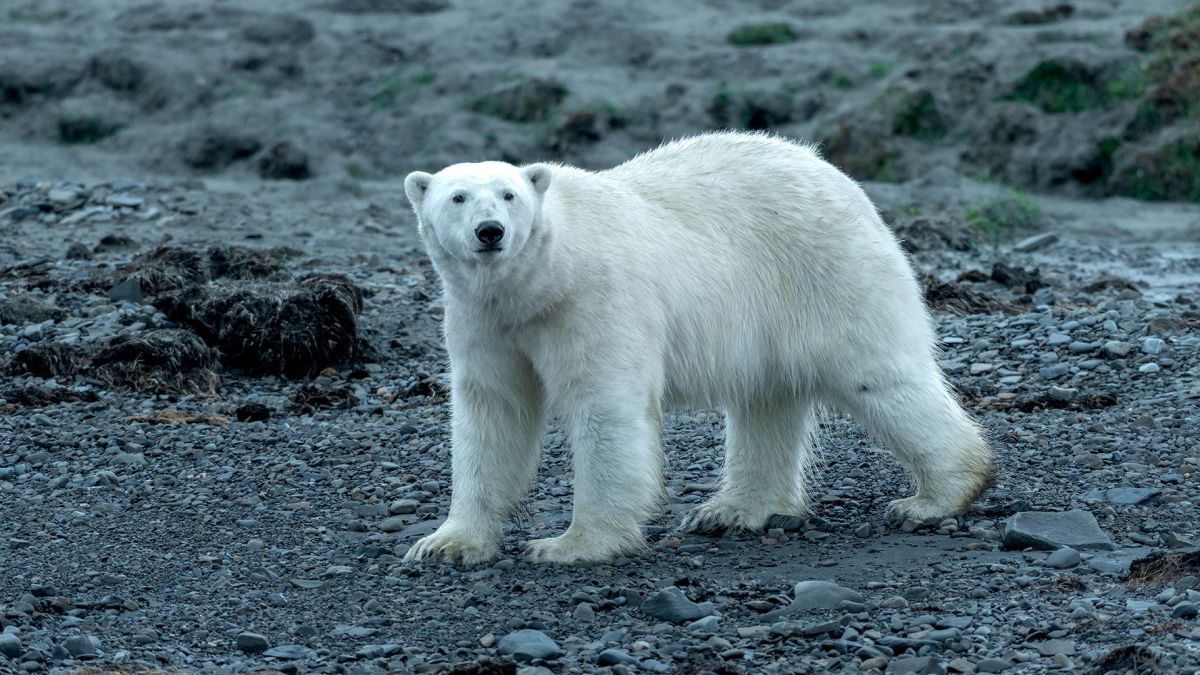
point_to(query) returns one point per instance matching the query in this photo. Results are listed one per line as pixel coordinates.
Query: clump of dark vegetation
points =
(168, 268)
(47, 360)
(1004, 213)
(293, 328)
(84, 128)
(756, 110)
(1017, 278)
(39, 397)
(284, 161)
(24, 309)
(917, 115)
(1048, 14)
(525, 100)
(863, 154)
(1062, 85)
(163, 361)
(956, 299)
(929, 233)
(1047, 402)
(252, 412)
(1126, 660)
(310, 398)
(1173, 67)
(1164, 568)
(1168, 171)
(759, 34)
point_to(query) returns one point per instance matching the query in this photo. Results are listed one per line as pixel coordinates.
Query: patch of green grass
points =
(391, 89)
(843, 81)
(356, 171)
(759, 34)
(1060, 86)
(525, 100)
(880, 69)
(1170, 172)
(85, 129)
(918, 116)
(1003, 213)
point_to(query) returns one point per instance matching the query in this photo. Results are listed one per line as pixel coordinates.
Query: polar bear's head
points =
(481, 212)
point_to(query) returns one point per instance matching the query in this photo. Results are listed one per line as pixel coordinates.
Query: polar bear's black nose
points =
(489, 232)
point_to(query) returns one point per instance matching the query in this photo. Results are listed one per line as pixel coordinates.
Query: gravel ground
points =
(161, 509)
(224, 545)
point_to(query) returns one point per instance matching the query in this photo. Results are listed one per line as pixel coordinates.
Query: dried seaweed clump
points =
(1164, 568)
(159, 362)
(309, 398)
(955, 299)
(47, 359)
(167, 268)
(294, 329)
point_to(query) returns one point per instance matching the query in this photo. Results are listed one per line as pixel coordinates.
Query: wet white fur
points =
(729, 270)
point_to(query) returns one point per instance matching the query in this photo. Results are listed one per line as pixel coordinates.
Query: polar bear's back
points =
(761, 255)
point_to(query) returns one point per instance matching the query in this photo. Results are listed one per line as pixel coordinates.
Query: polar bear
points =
(727, 270)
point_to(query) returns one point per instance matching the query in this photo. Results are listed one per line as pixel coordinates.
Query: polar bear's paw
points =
(716, 517)
(919, 509)
(453, 545)
(573, 546)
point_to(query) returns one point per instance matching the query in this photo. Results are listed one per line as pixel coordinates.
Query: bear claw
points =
(450, 548)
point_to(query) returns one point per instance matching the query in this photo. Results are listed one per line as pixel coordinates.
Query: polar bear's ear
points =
(539, 176)
(416, 184)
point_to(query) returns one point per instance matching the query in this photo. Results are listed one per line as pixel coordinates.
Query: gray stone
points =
(10, 645)
(129, 201)
(83, 646)
(1117, 348)
(289, 652)
(1153, 345)
(992, 665)
(612, 657)
(1050, 530)
(252, 643)
(403, 506)
(918, 665)
(528, 644)
(1054, 371)
(1064, 393)
(129, 290)
(1064, 558)
(1053, 647)
(1116, 562)
(707, 624)
(670, 604)
(393, 524)
(816, 594)
(1184, 610)
(1123, 495)
(1033, 243)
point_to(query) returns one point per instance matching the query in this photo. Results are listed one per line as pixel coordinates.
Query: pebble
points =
(613, 657)
(1049, 530)
(817, 594)
(528, 644)
(403, 507)
(1149, 368)
(916, 665)
(82, 646)
(252, 643)
(1117, 348)
(1035, 242)
(393, 524)
(290, 652)
(1123, 495)
(10, 645)
(993, 665)
(1054, 647)
(1054, 371)
(1152, 345)
(1064, 558)
(670, 604)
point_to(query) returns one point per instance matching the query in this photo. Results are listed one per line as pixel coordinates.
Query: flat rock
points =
(289, 652)
(816, 594)
(1123, 495)
(528, 644)
(82, 646)
(1050, 530)
(1064, 558)
(670, 604)
(1032, 244)
(1053, 647)
(1116, 562)
(916, 665)
(252, 643)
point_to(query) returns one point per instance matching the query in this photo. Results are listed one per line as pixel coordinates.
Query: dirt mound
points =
(956, 299)
(24, 309)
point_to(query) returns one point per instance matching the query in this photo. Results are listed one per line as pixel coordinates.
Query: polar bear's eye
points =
(458, 199)
(508, 196)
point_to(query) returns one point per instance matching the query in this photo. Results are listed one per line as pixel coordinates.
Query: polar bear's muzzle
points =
(489, 233)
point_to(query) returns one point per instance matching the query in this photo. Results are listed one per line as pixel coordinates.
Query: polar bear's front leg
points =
(497, 425)
(618, 479)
